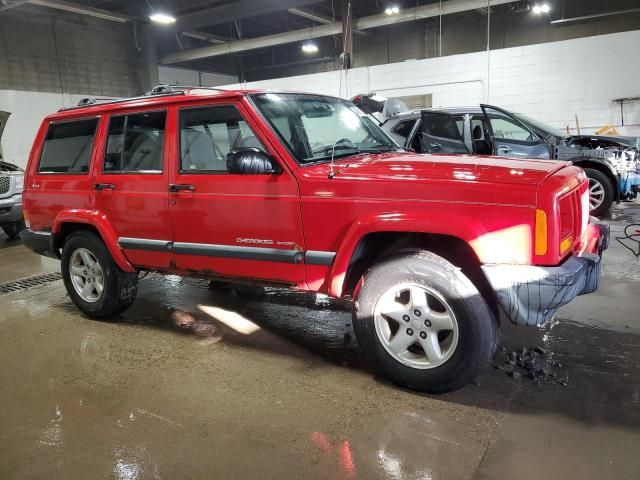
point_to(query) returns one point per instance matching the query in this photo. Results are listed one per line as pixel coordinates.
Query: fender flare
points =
(438, 223)
(100, 222)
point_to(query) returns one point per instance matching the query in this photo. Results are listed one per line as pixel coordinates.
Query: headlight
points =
(19, 179)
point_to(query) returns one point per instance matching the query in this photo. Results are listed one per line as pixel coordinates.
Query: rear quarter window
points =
(67, 147)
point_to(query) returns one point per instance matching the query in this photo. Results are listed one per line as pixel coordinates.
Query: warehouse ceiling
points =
(242, 36)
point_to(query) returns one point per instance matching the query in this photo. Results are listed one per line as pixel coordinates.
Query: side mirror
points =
(250, 161)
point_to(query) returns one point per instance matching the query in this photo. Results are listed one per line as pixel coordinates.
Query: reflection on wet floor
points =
(199, 383)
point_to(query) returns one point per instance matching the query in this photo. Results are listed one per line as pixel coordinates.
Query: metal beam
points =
(373, 21)
(205, 37)
(595, 16)
(10, 5)
(234, 11)
(82, 10)
(300, 12)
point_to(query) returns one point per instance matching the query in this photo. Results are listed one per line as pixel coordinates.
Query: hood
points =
(467, 168)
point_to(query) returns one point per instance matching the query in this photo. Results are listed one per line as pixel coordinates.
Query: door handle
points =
(436, 147)
(103, 186)
(504, 149)
(179, 187)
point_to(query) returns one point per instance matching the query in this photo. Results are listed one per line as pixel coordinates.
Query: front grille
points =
(5, 184)
(30, 282)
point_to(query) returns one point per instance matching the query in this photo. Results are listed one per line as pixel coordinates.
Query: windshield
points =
(540, 127)
(317, 128)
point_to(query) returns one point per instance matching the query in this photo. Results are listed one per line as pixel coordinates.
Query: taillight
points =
(541, 233)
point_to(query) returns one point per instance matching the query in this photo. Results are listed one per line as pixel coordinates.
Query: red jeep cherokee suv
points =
(305, 191)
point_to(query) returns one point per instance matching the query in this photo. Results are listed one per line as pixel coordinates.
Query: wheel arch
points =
(361, 252)
(70, 221)
(604, 168)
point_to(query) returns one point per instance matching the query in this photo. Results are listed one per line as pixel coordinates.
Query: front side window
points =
(209, 134)
(67, 147)
(135, 143)
(404, 128)
(505, 128)
(442, 125)
(317, 128)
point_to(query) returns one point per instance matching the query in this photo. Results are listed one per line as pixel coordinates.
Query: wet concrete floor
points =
(195, 384)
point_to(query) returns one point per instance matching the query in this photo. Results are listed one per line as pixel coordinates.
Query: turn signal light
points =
(566, 244)
(541, 233)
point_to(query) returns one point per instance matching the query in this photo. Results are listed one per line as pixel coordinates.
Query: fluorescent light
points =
(309, 47)
(545, 8)
(537, 10)
(163, 18)
(393, 10)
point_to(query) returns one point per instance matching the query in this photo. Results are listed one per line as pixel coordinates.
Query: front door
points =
(230, 224)
(442, 133)
(130, 185)
(510, 137)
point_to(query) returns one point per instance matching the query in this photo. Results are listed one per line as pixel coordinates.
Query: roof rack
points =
(157, 91)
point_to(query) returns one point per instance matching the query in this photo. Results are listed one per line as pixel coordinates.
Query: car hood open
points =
(409, 166)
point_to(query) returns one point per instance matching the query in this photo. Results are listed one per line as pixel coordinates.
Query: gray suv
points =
(11, 185)
(611, 163)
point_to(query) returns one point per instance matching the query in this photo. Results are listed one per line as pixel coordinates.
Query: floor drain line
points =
(30, 282)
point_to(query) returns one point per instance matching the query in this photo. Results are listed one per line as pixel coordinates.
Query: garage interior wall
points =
(551, 81)
(50, 59)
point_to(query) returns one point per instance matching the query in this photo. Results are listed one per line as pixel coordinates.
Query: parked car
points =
(11, 182)
(307, 192)
(612, 164)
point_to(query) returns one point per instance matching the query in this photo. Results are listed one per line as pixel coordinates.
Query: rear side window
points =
(67, 147)
(444, 126)
(135, 143)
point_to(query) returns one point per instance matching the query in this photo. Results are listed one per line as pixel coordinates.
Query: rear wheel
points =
(601, 192)
(94, 282)
(13, 229)
(423, 324)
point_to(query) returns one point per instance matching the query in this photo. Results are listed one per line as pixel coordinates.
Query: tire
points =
(466, 348)
(118, 288)
(13, 229)
(599, 182)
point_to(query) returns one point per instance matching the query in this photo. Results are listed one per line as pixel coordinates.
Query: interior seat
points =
(481, 145)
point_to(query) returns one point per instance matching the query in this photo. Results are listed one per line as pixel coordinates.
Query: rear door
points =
(231, 224)
(441, 132)
(512, 138)
(130, 185)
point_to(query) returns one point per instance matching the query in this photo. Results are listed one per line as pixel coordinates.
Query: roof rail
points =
(158, 90)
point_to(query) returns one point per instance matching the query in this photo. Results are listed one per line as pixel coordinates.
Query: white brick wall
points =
(552, 81)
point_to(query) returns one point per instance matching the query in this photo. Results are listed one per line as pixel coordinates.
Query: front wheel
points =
(94, 282)
(423, 324)
(601, 192)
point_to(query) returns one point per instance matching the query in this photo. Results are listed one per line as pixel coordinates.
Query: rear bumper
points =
(531, 295)
(11, 209)
(38, 242)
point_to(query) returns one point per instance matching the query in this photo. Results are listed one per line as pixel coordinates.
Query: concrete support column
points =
(149, 57)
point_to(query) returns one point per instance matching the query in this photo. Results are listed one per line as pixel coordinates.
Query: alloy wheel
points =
(416, 325)
(86, 275)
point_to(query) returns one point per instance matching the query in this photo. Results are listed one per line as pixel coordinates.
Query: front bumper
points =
(10, 209)
(531, 295)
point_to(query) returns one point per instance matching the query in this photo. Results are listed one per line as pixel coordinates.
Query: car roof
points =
(181, 95)
(450, 110)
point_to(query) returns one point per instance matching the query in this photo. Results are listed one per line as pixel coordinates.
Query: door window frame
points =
(236, 106)
(166, 143)
(516, 121)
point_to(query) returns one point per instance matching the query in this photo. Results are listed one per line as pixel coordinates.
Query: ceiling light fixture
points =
(163, 18)
(309, 47)
(393, 10)
(540, 9)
